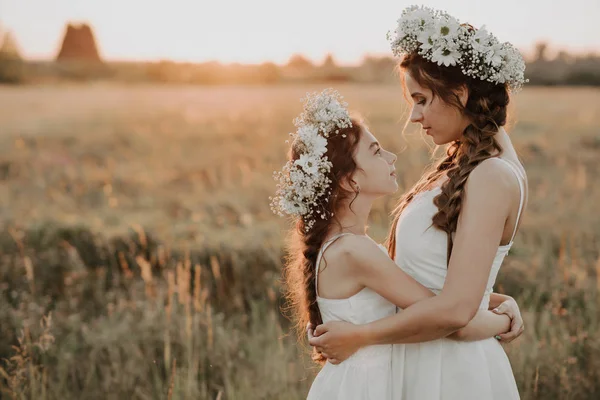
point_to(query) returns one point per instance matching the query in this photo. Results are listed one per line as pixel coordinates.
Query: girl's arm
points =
(484, 325)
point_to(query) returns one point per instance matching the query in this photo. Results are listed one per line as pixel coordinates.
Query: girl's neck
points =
(354, 220)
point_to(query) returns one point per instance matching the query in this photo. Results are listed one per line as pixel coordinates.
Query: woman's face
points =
(440, 120)
(376, 174)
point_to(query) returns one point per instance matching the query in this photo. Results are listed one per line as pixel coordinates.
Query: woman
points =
(335, 271)
(452, 230)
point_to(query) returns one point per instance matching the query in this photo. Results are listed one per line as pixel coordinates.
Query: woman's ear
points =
(463, 95)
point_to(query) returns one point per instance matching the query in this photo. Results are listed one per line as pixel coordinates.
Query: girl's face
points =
(376, 174)
(440, 120)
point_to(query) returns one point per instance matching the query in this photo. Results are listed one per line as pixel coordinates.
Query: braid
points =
(312, 242)
(487, 112)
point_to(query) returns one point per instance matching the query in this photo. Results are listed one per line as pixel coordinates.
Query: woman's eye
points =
(378, 151)
(422, 102)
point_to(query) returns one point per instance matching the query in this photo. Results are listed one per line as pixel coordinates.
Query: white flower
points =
(322, 116)
(309, 163)
(445, 56)
(427, 39)
(481, 40)
(295, 207)
(314, 143)
(440, 38)
(420, 17)
(495, 55)
(447, 28)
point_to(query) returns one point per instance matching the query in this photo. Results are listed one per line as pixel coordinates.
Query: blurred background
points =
(139, 258)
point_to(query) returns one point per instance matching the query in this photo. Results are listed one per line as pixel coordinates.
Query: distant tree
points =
(298, 61)
(9, 48)
(78, 44)
(541, 51)
(329, 62)
(378, 69)
(268, 73)
(564, 57)
(11, 65)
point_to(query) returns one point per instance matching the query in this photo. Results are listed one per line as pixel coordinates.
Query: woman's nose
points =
(415, 116)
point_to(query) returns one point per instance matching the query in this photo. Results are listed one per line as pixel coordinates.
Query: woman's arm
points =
(374, 269)
(485, 209)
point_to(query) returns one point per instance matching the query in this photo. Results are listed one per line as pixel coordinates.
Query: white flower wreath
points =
(303, 183)
(442, 39)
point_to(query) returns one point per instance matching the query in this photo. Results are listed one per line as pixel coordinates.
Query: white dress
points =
(367, 374)
(446, 369)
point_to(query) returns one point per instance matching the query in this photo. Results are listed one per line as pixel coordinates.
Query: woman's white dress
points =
(446, 369)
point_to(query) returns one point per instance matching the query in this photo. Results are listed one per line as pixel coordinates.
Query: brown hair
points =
(303, 247)
(486, 108)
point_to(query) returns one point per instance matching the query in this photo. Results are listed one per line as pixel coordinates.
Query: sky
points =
(254, 31)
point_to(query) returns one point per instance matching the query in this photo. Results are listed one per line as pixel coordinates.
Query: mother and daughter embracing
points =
(416, 319)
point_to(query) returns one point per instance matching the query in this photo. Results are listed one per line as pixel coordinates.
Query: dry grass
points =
(195, 314)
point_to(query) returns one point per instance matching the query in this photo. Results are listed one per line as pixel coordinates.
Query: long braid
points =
(487, 112)
(301, 279)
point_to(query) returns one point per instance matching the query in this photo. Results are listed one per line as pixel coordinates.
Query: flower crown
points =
(303, 185)
(440, 38)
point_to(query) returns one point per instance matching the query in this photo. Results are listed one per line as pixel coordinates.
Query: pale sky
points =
(253, 31)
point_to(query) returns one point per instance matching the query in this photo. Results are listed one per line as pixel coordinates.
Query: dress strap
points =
(520, 179)
(321, 251)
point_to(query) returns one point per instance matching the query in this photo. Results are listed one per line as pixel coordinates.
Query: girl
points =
(452, 230)
(337, 168)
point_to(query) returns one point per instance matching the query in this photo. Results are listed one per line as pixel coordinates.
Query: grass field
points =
(138, 218)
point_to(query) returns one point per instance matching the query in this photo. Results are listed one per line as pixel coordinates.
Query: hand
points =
(310, 334)
(336, 340)
(511, 309)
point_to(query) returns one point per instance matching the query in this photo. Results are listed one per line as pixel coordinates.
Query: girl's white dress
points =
(367, 374)
(446, 369)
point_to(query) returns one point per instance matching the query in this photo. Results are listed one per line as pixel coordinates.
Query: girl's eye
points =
(378, 151)
(422, 102)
